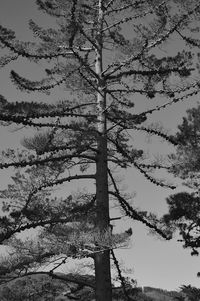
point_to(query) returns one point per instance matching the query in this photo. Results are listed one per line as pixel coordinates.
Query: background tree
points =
(31, 289)
(186, 158)
(184, 207)
(89, 132)
(191, 293)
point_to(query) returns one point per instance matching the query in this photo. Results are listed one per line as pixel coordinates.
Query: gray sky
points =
(156, 263)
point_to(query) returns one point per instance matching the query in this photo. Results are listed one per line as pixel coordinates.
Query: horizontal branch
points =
(24, 53)
(6, 59)
(26, 122)
(35, 110)
(33, 86)
(155, 166)
(23, 263)
(36, 162)
(161, 71)
(85, 280)
(54, 149)
(74, 213)
(34, 225)
(153, 92)
(143, 115)
(175, 100)
(69, 179)
(133, 90)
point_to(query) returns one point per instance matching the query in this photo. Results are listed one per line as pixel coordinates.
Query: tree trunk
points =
(102, 260)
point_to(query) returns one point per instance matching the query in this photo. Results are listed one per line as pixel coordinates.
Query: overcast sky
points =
(156, 263)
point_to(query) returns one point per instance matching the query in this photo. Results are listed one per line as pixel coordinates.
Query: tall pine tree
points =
(102, 52)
